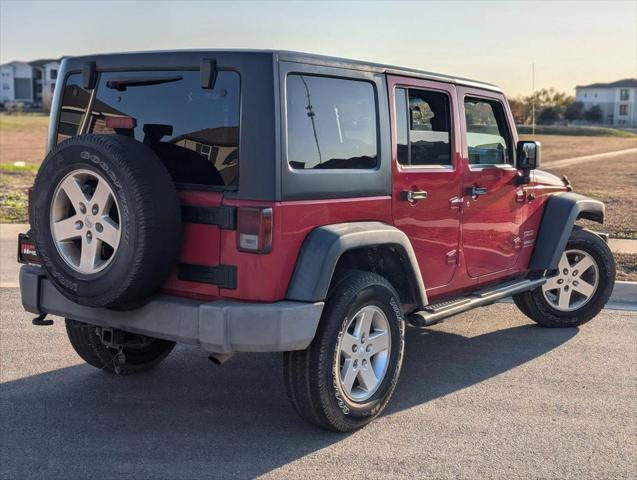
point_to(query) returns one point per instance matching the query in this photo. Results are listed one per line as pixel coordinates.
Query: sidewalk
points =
(620, 245)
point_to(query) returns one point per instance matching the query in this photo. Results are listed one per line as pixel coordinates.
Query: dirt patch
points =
(613, 182)
(558, 147)
(626, 266)
(23, 138)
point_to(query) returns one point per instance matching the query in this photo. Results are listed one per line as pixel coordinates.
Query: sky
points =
(570, 42)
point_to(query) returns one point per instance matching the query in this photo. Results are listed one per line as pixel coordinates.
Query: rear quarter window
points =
(331, 123)
(194, 131)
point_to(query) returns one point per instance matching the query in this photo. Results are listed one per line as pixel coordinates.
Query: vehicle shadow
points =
(189, 418)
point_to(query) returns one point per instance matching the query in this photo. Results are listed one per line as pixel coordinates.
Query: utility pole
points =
(533, 98)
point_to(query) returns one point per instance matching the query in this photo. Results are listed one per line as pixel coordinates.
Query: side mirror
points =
(528, 155)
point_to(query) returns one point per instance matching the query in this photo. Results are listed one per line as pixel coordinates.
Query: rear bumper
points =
(221, 326)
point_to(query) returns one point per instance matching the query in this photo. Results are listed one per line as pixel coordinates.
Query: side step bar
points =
(434, 313)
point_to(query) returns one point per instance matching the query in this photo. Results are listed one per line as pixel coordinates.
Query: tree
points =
(548, 116)
(574, 111)
(517, 108)
(594, 114)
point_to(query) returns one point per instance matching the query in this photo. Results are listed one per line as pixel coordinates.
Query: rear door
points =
(493, 210)
(194, 131)
(426, 169)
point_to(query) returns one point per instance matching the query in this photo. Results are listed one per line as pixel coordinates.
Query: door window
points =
(423, 127)
(488, 138)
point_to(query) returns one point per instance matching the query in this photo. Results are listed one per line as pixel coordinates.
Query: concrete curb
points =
(624, 293)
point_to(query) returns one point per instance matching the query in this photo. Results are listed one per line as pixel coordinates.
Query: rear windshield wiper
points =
(121, 84)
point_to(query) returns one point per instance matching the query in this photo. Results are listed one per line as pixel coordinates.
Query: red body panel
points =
(460, 242)
(200, 245)
(265, 278)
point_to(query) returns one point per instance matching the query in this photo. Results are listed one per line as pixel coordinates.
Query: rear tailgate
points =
(198, 273)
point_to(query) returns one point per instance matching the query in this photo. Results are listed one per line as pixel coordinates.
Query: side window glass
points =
(423, 127)
(331, 123)
(488, 137)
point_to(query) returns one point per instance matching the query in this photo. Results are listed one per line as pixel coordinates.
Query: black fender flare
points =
(323, 247)
(560, 213)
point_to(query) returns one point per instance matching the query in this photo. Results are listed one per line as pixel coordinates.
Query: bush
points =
(574, 111)
(548, 116)
(594, 114)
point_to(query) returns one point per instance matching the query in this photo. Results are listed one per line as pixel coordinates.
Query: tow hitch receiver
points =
(113, 338)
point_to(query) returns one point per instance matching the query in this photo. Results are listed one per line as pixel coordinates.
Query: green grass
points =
(22, 121)
(10, 168)
(575, 131)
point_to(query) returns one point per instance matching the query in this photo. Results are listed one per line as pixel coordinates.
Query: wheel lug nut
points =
(363, 339)
(82, 208)
(354, 348)
(79, 224)
(355, 363)
(369, 348)
(364, 363)
(560, 281)
(99, 228)
(575, 283)
(94, 210)
(575, 272)
(565, 271)
(566, 288)
(89, 235)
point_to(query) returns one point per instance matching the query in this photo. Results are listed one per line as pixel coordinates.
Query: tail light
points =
(254, 229)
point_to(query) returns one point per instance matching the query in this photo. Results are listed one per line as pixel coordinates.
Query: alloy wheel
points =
(363, 353)
(574, 283)
(85, 221)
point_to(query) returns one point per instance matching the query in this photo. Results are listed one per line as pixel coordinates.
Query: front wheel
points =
(347, 375)
(579, 288)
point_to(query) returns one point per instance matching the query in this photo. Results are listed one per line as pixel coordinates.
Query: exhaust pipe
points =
(220, 358)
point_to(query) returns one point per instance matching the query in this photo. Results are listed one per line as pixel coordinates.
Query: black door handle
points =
(475, 191)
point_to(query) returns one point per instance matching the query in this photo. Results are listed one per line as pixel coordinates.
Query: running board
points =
(435, 312)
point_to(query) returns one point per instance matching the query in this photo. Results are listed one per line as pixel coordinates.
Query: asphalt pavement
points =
(487, 394)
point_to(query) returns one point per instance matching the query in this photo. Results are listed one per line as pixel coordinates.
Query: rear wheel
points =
(578, 289)
(347, 375)
(141, 354)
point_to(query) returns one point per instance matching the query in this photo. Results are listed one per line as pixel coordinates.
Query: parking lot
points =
(485, 395)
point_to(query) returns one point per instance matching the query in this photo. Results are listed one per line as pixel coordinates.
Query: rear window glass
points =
(194, 131)
(331, 123)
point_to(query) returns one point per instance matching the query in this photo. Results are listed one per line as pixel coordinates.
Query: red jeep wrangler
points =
(260, 201)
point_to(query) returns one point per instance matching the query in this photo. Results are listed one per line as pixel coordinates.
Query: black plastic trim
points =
(560, 213)
(89, 75)
(337, 183)
(208, 73)
(224, 217)
(324, 246)
(225, 276)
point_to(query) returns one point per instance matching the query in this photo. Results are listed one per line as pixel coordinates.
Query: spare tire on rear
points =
(106, 220)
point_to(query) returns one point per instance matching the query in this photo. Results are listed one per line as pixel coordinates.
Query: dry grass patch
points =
(14, 183)
(614, 182)
(558, 147)
(626, 266)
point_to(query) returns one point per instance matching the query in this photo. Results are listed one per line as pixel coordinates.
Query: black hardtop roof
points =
(300, 57)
